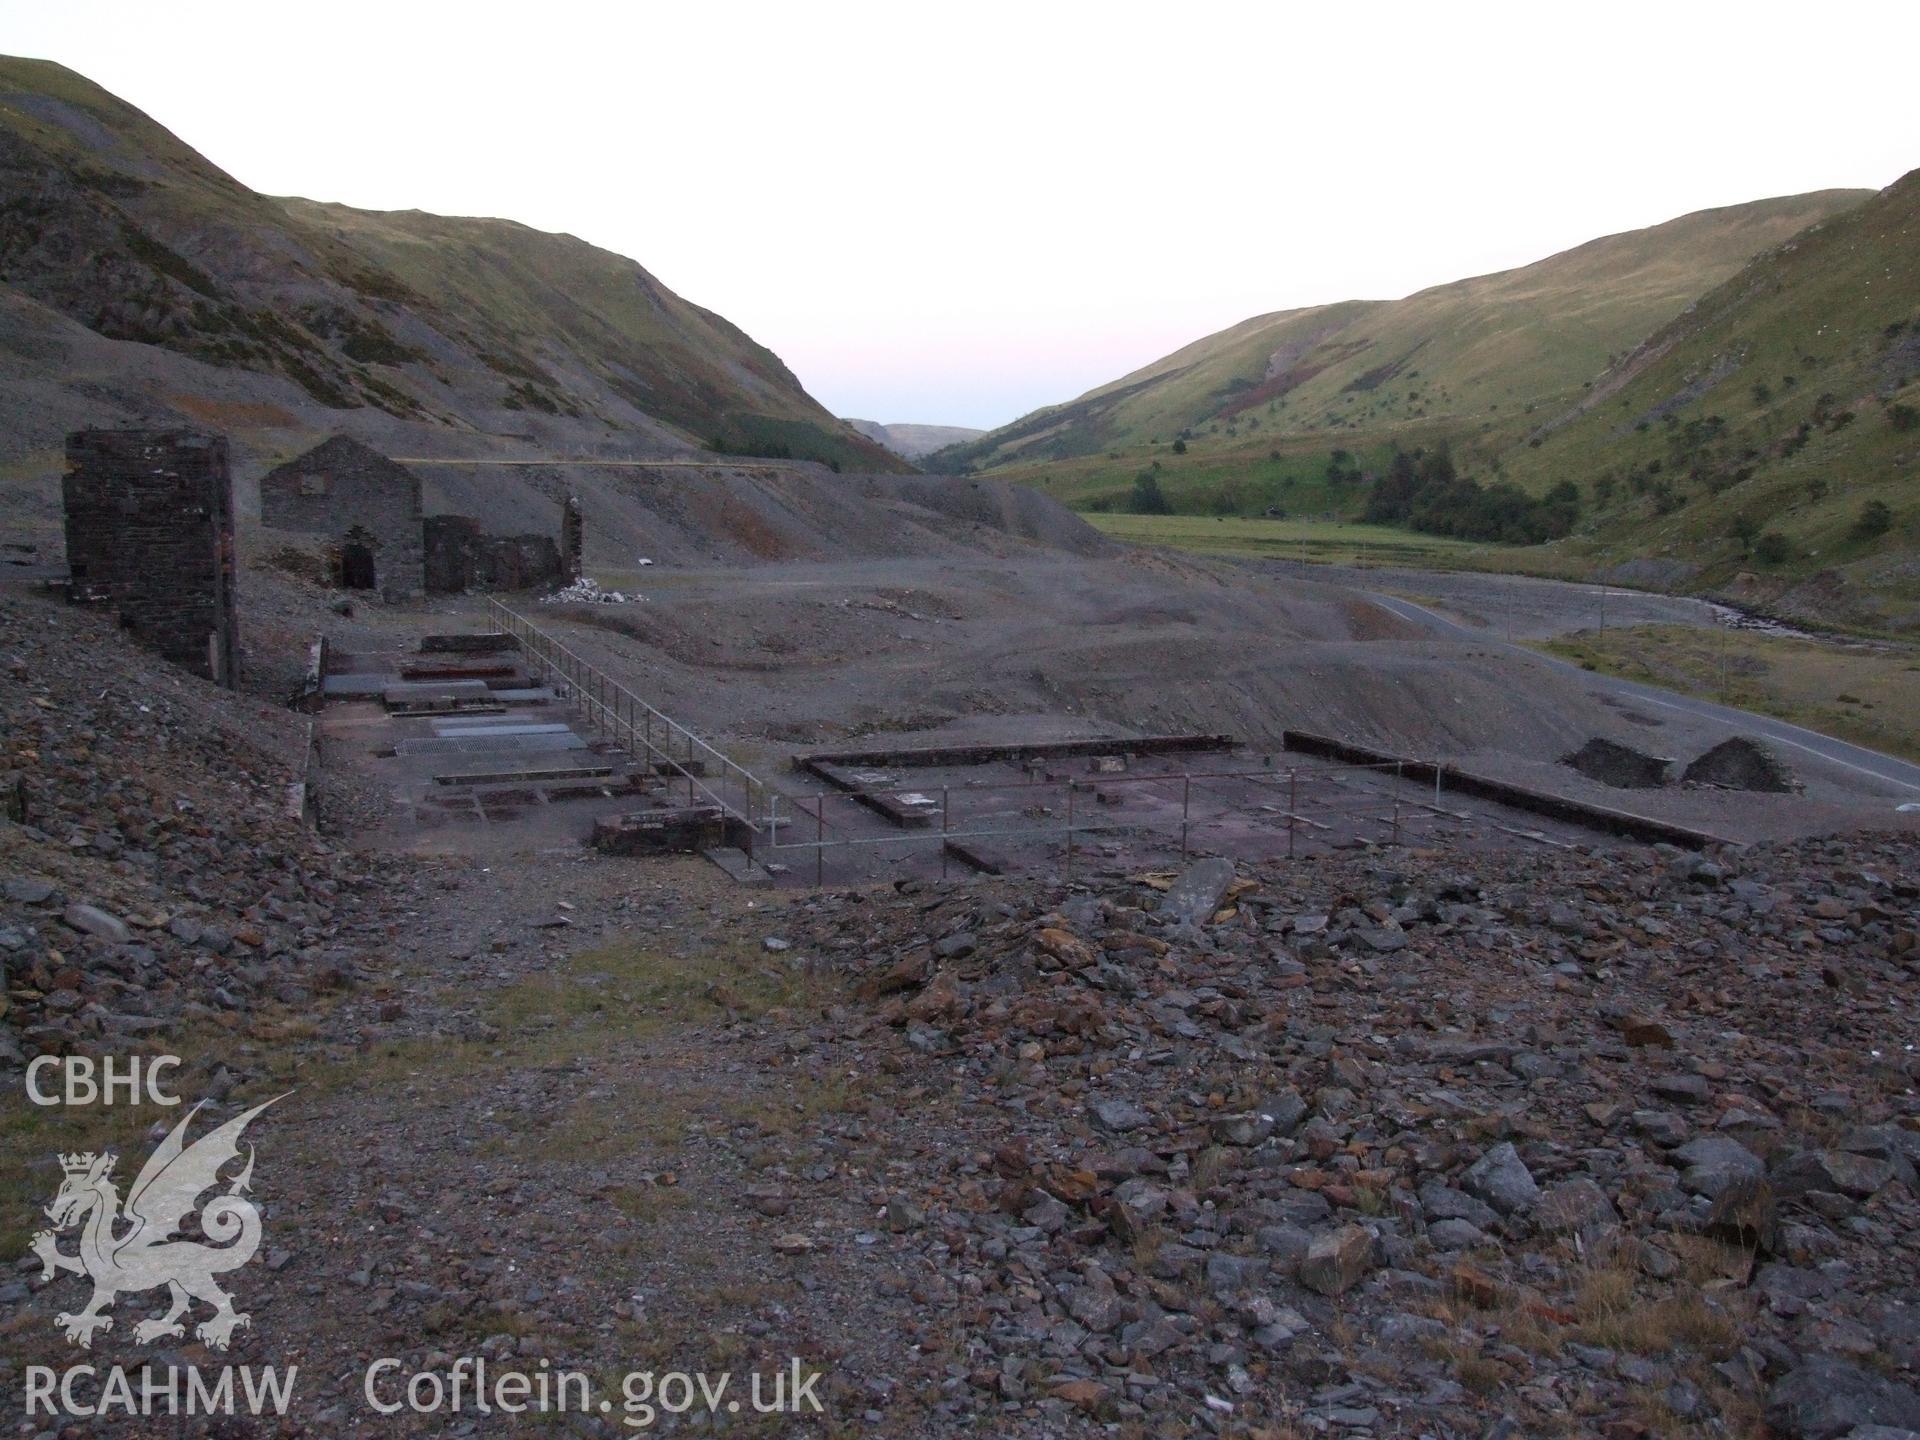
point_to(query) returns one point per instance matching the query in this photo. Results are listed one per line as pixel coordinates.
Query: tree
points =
(1903, 417)
(1179, 447)
(1772, 548)
(1745, 529)
(1148, 499)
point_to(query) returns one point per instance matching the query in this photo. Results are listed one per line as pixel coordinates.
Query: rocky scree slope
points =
(152, 879)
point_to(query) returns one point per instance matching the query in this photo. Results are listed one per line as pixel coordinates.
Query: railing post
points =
(1186, 805)
(1293, 807)
(1069, 830)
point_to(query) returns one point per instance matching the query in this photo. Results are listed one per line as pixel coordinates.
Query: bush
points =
(1903, 417)
(1425, 492)
(1874, 520)
(1772, 548)
(1342, 468)
(1179, 447)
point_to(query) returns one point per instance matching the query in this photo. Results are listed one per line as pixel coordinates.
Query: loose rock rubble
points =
(587, 591)
(1615, 1145)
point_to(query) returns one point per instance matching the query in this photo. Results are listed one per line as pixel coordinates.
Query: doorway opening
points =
(356, 566)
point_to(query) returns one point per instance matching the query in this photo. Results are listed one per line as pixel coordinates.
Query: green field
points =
(1866, 693)
(1325, 542)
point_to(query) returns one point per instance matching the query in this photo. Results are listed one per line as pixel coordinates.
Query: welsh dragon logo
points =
(135, 1247)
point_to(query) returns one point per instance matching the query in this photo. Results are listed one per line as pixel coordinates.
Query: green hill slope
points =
(1469, 355)
(1768, 440)
(110, 221)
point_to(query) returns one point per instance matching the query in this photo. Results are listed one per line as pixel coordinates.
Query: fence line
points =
(1404, 812)
(658, 739)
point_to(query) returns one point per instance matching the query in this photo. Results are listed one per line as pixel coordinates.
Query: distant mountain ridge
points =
(914, 441)
(462, 325)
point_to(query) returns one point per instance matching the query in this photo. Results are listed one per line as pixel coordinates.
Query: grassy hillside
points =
(1768, 440)
(1478, 356)
(1726, 402)
(110, 220)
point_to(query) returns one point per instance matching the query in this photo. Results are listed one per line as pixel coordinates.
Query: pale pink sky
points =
(955, 214)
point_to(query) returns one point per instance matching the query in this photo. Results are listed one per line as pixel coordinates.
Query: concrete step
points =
(481, 727)
(555, 790)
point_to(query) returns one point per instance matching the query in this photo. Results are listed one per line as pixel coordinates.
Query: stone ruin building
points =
(149, 522)
(379, 538)
(366, 506)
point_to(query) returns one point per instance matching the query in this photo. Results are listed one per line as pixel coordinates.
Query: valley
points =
(1300, 893)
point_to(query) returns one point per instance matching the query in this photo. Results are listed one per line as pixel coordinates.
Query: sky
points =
(955, 213)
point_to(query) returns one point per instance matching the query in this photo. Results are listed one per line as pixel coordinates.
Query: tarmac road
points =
(1900, 778)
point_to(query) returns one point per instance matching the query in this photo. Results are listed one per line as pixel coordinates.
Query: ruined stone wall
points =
(460, 556)
(572, 538)
(354, 496)
(149, 520)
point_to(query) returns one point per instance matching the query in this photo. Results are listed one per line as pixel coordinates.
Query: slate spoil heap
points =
(151, 877)
(1617, 1145)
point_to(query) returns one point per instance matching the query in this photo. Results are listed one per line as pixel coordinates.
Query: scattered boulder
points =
(1837, 1172)
(92, 920)
(1193, 898)
(1501, 1178)
(1715, 1162)
(1575, 1205)
(1337, 1260)
(1118, 1115)
(1826, 1398)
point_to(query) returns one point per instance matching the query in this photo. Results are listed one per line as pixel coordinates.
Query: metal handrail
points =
(616, 709)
